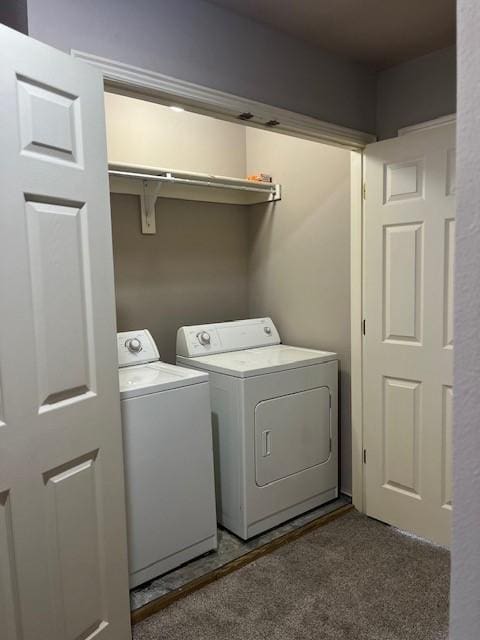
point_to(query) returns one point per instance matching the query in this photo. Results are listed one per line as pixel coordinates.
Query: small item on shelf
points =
(260, 177)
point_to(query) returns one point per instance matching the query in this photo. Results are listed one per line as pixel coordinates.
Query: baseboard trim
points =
(166, 600)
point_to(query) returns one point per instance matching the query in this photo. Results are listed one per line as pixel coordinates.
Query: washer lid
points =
(143, 379)
(254, 362)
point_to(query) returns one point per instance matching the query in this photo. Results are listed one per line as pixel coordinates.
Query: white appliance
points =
(168, 454)
(274, 414)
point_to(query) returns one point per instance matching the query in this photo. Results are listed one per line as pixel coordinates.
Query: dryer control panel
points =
(199, 340)
(136, 347)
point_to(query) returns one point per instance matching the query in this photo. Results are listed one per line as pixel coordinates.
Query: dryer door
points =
(292, 433)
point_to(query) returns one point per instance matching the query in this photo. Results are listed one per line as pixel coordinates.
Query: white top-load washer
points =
(274, 415)
(167, 436)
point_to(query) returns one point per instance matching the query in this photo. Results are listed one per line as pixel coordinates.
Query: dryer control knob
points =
(134, 345)
(203, 337)
(268, 331)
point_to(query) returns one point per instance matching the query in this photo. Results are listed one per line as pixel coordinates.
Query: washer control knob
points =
(133, 345)
(203, 338)
(268, 331)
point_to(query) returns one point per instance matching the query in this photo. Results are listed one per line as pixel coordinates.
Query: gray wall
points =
(200, 42)
(193, 270)
(206, 44)
(299, 260)
(465, 609)
(13, 13)
(140, 132)
(416, 91)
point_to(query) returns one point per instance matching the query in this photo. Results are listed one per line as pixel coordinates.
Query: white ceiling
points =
(380, 33)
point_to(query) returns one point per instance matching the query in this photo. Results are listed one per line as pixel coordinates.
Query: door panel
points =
(403, 181)
(448, 283)
(408, 344)
(9, 604)
(56, 234)
(447, 452)
(74, 554)
(63, 563)
(49, 120)
(403, 282)
(401, 422)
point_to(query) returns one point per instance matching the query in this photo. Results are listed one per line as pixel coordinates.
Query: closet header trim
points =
(129, 80)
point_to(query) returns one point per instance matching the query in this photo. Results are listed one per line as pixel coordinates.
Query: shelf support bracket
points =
(148, 200)
(277, 194)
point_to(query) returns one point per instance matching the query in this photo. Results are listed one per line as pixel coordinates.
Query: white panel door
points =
(63, 560)
(408, 345)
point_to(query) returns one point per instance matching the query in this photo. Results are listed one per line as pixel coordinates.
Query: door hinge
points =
(364, 324)
(364, 456)
(364, 191)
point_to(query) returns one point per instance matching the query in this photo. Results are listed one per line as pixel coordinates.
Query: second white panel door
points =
(408, 349)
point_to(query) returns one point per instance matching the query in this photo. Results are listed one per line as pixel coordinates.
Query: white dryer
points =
(168, 455)
(275, 422)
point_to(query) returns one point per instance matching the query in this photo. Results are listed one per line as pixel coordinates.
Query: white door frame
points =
(356, 327)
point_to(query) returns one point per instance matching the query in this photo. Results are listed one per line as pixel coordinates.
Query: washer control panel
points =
(136, 347)
(222, 337)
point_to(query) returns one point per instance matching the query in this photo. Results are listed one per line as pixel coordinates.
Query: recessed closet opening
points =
(211, 262)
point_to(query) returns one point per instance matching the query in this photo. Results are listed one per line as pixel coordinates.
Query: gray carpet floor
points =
(352, 579)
